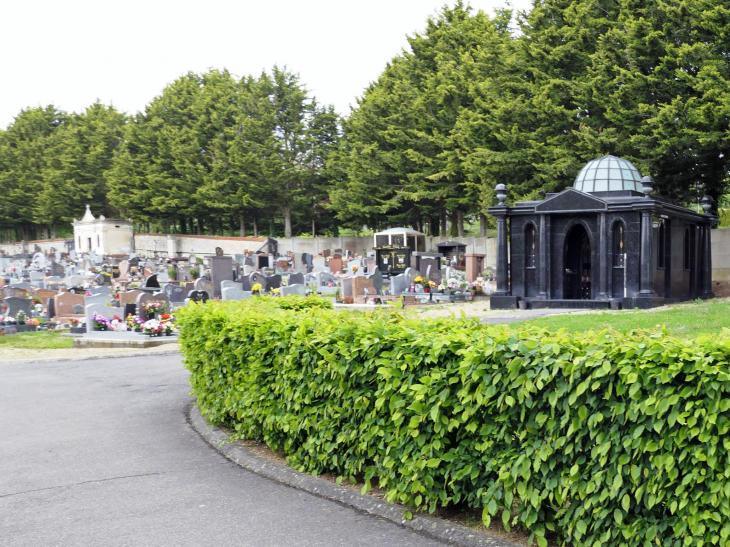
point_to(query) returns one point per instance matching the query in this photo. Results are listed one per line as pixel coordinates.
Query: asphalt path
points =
(100, 453)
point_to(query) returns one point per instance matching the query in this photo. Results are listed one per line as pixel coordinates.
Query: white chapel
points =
(104, 236)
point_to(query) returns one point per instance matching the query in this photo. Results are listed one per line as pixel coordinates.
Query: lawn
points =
(687, 319)
(35, 340)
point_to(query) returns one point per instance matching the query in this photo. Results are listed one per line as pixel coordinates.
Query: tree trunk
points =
(482, 225)
(314, 227)
(243, 226)
(45, 231)
(211, 228)
(460, 223)
(255, 227)
(54, 232)
(287, 221)
(443, 221)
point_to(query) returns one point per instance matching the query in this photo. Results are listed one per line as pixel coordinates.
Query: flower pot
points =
(523, 304)
(137, 330)
(169, 333)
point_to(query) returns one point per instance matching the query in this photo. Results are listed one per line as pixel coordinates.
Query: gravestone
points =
(398, 284)
(319, 263)
(65, 302)
(100, 290)
(295, 279)
(371, 264)
(163, 277)
(230, 285)
(198, 296)
(151, 282)
(175, 293)
(282, 265)
(147, 297)
(203, 284)
(97, 299)
(272, 282)
(44, 294)
(124, 267)
(129, 297)
(97, 309)
(35, 277)
(254, 278)
(221, 269)
(377, 279)
(14, 292)
(411, 274)
(326, 253)
(130, 307)
(16, 305)
(234, 293)
(355, 264)
(57, 269)
(296, 289)
(434, 274)
(115, 271)
(51, 308)
(77, 309)
(335, 265)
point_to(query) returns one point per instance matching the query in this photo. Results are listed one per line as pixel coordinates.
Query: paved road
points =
(100, 453)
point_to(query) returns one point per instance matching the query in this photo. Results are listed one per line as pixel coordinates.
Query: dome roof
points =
(608, 174)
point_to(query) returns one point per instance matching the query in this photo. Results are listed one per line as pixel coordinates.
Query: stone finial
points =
(707, 203)
(647, 184)
(501, 190)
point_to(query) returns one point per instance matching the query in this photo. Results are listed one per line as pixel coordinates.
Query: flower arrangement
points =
(134, 322)
(276, 291)
(354, 269)
(425, 283)
(73, 322)
(88, 293)
(101, 322)
(256, 288)
(34, 322)
(154, 308)
(8, 320)
(21, 318)
(152, 327)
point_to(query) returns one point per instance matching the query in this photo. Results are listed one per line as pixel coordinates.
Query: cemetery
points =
(103, 293)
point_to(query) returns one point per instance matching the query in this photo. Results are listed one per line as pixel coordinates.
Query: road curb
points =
(432, 526)
(47, 360)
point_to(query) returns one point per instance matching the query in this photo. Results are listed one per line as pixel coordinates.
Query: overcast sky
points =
(71, 52)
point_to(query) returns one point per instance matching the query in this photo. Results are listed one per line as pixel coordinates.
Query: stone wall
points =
(29, 246)
(721, 254)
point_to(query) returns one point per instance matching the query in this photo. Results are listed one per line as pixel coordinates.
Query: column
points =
(707, 262)
(647, 280)
(502, 288)
(543, 259)
(603, 259)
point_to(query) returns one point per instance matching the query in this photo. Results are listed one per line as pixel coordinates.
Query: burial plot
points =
(296, 289)
(97, 309)
(234, 293)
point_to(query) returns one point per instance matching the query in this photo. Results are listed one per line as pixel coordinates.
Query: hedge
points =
(605, 438)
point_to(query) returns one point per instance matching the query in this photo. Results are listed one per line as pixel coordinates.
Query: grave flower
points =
(276, 291)
(73, 322)
(21, 318)
(256, 288)
(101, 322)
(152, 327)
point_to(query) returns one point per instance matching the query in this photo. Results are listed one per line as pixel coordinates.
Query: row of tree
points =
(473, 102)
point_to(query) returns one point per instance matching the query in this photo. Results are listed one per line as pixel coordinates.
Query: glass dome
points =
(608, 174)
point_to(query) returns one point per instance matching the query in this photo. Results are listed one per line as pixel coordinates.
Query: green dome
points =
(608, 174)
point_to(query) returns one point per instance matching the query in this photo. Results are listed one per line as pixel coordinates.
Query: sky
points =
(72, 52)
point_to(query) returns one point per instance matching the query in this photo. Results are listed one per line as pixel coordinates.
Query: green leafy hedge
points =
(605, 438)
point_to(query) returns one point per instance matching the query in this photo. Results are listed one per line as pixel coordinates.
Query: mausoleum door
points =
(577, 265)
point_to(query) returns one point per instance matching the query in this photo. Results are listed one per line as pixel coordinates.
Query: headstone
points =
(335, 265)
(175, 292)
(97, 299)
(221, 269)
(151, 282)
(97, 309)
(65, 302)
(234, 293)
(129, 297)
(100, 290)
(57, 269)
(231, 285)
(203, 284)
(39, 260)
(296, 289)
(411, 274)
(307, 259)
(124, 267)
(295, 279)
(77, 309)
(377, 279)
(44, 294)
(355, 263)
(16, 305)
(36, 276)
(326, 253)
(347, 288)
(51, 307)
(434, 274)
(163, 277)
(272, 282)
(319, 263)
(147, 297)
(398, 284)
(198, 296)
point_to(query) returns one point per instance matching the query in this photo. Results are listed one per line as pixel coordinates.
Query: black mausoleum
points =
(605, 241)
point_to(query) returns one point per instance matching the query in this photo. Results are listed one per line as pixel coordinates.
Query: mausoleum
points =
(104, 236)
(607, 241)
